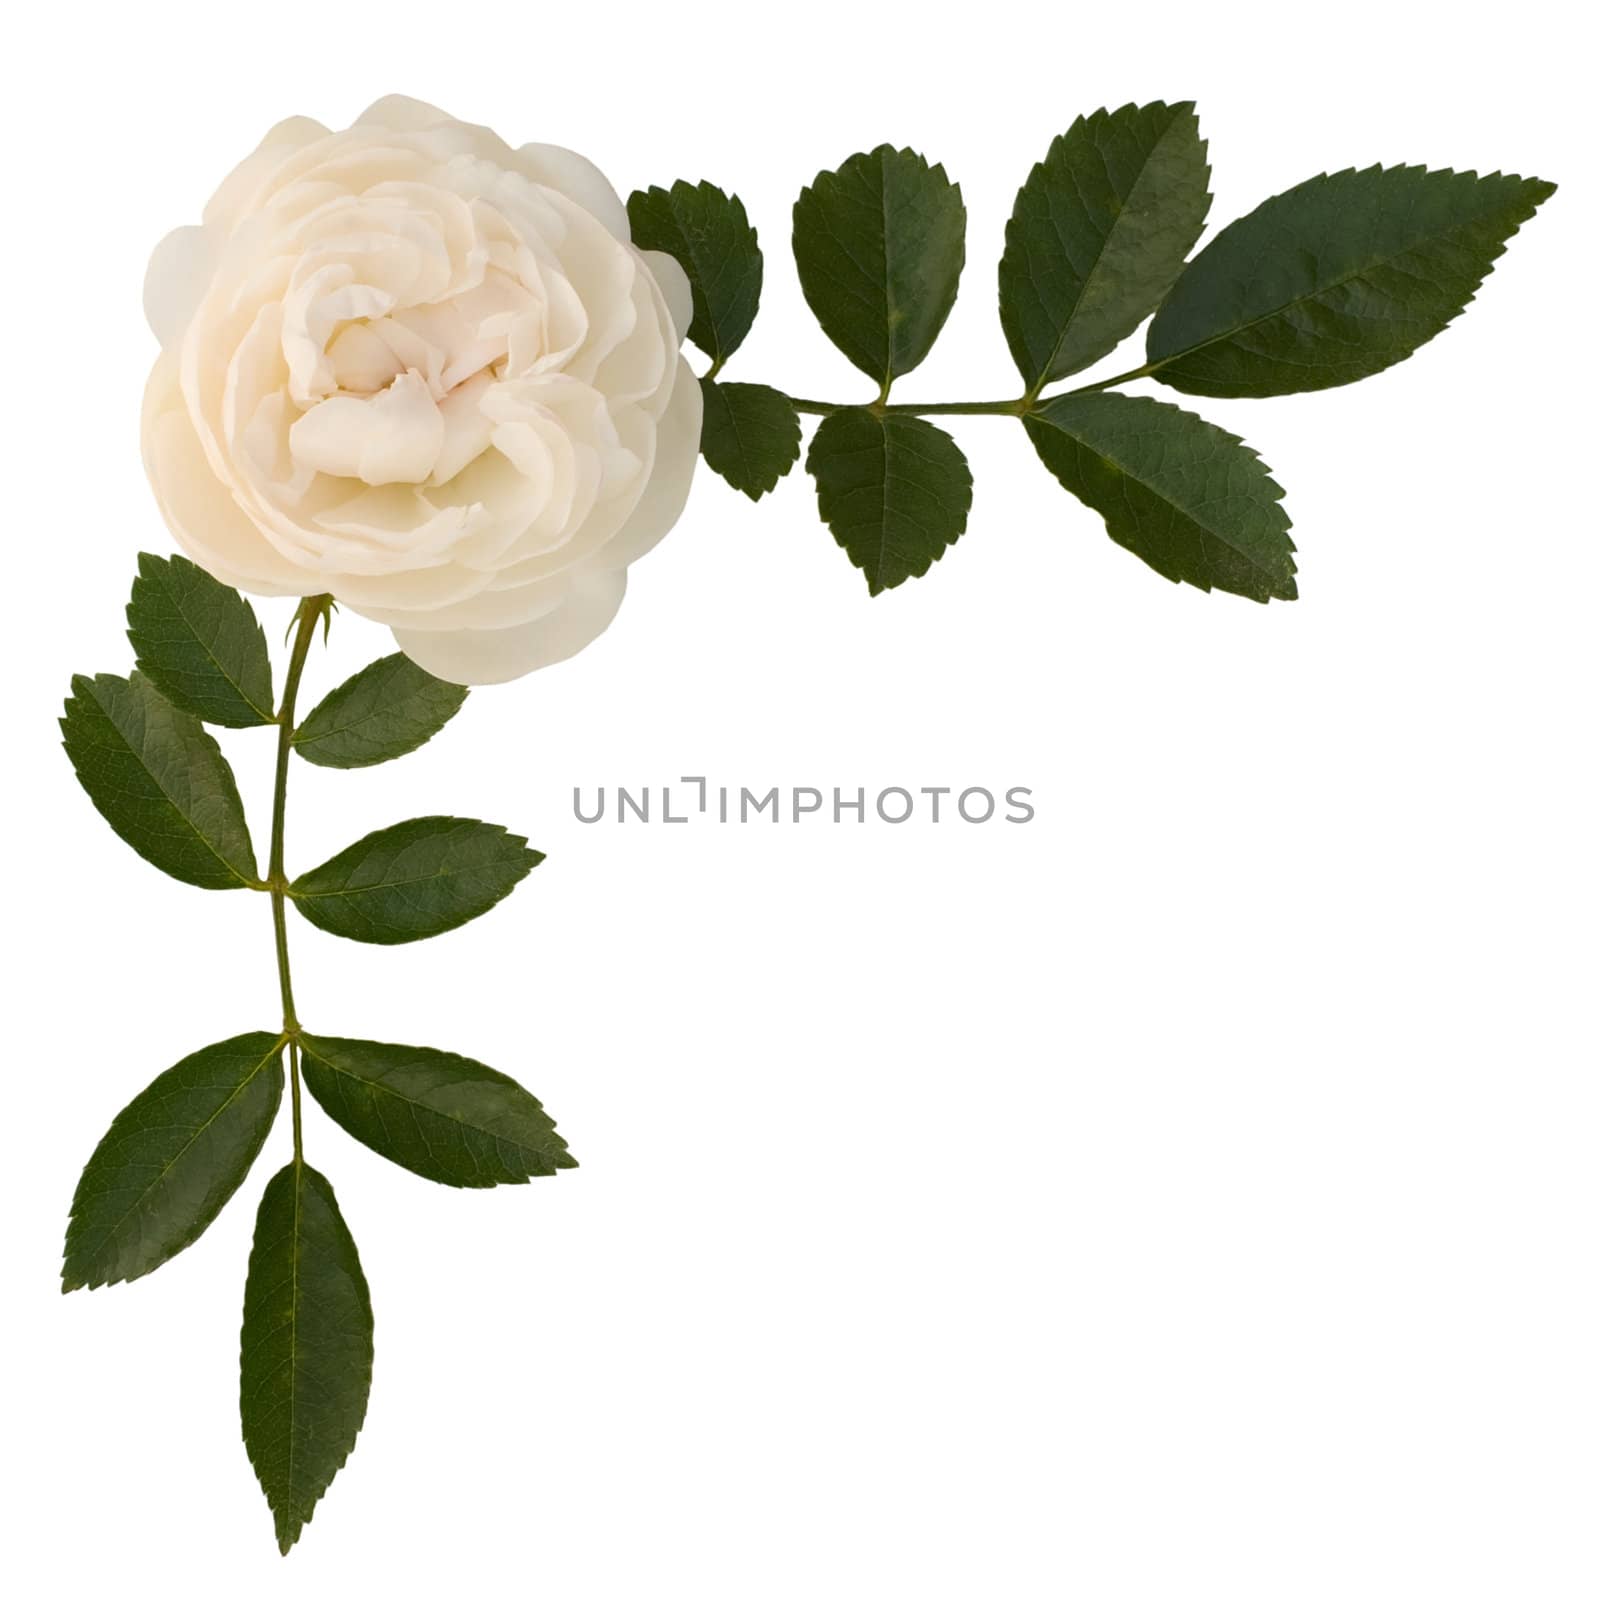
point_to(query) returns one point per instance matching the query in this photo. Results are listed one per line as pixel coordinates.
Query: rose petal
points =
(467, 428)
(176, 280)
(204, 517)
(247, 186)
(673, 282)
(391, 437)
(667, 489)
(401, 114)
(578, 179)
(497, 655)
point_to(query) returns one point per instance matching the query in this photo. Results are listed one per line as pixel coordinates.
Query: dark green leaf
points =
(1338, 278)
(199, 643)
(305, 1351)
(895, 490)
(880, 245)
(414, 880)
(450, 1119)
(751, 434)
(171, 1159)
(1099, 232)
(386, 710)
(708, 234)
(159, 779)
(1192, 500)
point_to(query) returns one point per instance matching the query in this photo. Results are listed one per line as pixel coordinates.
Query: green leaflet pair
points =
(1330, 282)
(178, 1151)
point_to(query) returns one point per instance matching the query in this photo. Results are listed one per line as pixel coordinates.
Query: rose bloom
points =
(428, 374)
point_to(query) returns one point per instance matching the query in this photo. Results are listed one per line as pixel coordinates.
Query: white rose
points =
(428, 374)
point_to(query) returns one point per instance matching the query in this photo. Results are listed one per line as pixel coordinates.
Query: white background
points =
(1190, 1193)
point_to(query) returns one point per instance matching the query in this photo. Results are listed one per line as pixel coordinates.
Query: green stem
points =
(946, 408)
(311, 611)
(1121, 377)
(1022, 407)
(294, 1096)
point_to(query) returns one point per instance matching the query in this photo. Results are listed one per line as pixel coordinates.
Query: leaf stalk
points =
(1024, 405)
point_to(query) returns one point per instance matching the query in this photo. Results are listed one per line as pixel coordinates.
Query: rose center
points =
(402, 403)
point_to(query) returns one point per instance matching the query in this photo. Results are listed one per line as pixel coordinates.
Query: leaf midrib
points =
(888, 273)
(732, 413)
(294, 1333)
(337, 729)
(701, 280)
(298, 893)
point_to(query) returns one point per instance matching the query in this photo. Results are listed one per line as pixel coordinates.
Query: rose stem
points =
(311, 609)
